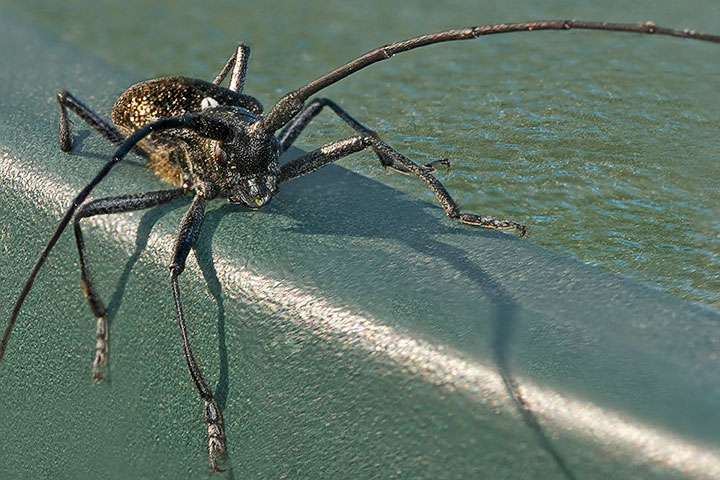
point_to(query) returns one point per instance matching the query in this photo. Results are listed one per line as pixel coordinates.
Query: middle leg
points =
(292, 131)
(334, 151)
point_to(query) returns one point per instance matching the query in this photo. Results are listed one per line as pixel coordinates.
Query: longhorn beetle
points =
(213, 141)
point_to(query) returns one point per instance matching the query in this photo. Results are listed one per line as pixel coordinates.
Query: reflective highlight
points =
(614, 431)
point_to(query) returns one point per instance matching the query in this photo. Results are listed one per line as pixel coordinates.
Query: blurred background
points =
(603, 144)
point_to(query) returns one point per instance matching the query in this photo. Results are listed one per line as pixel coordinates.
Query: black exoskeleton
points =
(213, 141)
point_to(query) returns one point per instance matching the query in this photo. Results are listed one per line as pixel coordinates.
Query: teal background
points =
(604, 144)
(308, 392)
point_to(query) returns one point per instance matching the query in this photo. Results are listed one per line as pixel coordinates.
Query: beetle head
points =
(248, 164)
(254, 191)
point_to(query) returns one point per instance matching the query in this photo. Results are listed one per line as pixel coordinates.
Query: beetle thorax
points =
(244, 169)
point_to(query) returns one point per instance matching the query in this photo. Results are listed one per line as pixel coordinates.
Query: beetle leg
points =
(238, 63)
(331, 152)
(187, 234)
(67, 100)
(105, 206)
(204, 126)
(292, 131)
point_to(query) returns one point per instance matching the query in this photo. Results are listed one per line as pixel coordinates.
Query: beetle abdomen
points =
(152, 100)
(166, 97)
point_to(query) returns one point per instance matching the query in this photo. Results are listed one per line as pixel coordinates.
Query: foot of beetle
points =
(101, 348)
(476, 220)
(216, 444)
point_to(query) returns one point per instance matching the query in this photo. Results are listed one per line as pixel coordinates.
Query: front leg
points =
(106, 206)
(334, 151)
(187, 234)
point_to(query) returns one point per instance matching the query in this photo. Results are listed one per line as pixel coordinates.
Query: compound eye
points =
(220, 156)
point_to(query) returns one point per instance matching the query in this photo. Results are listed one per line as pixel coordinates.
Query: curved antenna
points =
(290, 104)
(207, 127)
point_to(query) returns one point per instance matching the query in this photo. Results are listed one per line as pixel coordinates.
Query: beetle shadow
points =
(147, 221)
(503, 327)
(326, 203)
(204, 255)
(91, 153)
(504, 322)
(340, 193)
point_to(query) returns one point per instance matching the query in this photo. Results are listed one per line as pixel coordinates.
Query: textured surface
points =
(606, 144)
(349, 330)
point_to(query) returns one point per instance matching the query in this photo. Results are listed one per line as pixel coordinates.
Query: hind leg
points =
(238, 63)
(67, 101)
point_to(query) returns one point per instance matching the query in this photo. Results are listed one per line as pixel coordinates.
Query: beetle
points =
(213, 141)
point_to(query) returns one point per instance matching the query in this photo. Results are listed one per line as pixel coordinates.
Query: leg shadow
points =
(147, 222)
(504, 323)
(402, 228)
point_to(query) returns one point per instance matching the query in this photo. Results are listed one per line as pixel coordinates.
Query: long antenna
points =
(290, 104)
(205, 126)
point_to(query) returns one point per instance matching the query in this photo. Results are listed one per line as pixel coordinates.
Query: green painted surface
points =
(349, 330)
(605, 144)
